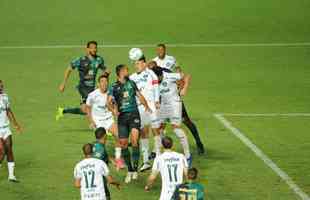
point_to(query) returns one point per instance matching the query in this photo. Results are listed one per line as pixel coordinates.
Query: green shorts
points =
(126, 122)
(84, 91)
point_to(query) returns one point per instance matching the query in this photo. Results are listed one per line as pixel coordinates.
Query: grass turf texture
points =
(226, 79)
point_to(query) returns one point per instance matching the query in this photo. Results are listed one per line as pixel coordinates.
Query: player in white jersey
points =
(171, 104)
(6, 148)
(169, 62)
(172, 167)
(88, 176)
(100, 116)
(147, 83)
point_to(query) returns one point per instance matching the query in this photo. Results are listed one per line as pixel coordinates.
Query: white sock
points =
(183, 140)
(157, 144)
(144, 142)
(118, 152)
(11, 166)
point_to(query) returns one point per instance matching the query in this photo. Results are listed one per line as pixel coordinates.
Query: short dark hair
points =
(118, 68)
(91, 42)
(100, 133)
(167, 142)
(142, 58)
(104, 75)
(162, 45)
(87, 149)
(192, 173)
(158, 71)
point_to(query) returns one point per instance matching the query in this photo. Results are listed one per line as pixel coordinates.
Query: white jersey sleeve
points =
(77, 172)
(173, 77)
(90, 100)
(105, 170)
(155, 83)
(156, 165)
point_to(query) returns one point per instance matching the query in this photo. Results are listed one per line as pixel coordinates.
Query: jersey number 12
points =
(90, 179)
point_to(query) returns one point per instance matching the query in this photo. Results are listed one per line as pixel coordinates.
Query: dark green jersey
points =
(189, 191)
(88, 69)
(99, 151)
(124, 94)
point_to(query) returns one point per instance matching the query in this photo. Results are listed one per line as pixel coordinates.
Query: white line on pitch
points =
(62, 46)
(260, 154)
(266, 114)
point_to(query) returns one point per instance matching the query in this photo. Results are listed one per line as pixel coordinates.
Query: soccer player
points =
(190, 189)
(100, 116)
(171, 104)
(88, 176)
(123, 94)
(87, 67)
(172, 167)
(147, 83)
(6, 141)
(169, 62)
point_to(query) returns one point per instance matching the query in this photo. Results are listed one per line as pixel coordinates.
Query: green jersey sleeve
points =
(76, 63)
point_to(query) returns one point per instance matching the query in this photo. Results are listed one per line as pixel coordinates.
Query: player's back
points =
(91, 172)
(171, 166)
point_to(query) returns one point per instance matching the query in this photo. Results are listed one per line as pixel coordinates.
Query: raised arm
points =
(66, 77)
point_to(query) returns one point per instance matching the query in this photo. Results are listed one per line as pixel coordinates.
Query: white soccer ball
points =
(135, 54)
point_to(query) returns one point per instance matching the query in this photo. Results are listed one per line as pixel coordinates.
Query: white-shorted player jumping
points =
(171, 104)
(172, 167)
(6, 141)
(163, 60)
(100, 116)
(88, 176)
(147, 83)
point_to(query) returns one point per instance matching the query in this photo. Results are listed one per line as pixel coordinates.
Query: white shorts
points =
(149, 118)
(171, 112)
(5, 132)
(102, 122)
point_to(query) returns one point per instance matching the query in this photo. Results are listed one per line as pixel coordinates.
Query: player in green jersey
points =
(190, 190)
(88, 67)
(122, 102)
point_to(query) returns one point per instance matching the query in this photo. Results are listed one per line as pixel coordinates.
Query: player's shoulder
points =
(99, 58)
(133, 76)
(94, 93)
(169, 57)
(4, 96)
(155, 59)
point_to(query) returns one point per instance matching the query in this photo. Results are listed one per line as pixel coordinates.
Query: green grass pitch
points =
(226, 79)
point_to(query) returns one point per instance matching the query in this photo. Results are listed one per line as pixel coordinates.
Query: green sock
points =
(135, 157)
(127, 157)
(76, 111)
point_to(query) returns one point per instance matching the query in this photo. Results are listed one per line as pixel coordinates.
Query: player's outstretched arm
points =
(66, 77)
(113, 182)
(186, 80)
(143, 101)
(151, 180)
(12, 119)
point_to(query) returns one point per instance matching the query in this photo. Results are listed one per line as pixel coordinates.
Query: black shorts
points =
(126, 122)
(84, 91)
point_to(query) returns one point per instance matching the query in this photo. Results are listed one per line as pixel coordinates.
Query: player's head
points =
(167, 142)
(121, 71)
(1, 86)
(159, 73)
(87, 149)
(103, 82)
(192, 174)
(151, 64)
(140, 64)
(100, 135)
(161, 51)
(91, 48)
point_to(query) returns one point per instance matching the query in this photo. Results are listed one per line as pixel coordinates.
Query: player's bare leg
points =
(119, 162)
(135, 152)
(144, 144)
(8, 145)
(180, 133)
(2, 151)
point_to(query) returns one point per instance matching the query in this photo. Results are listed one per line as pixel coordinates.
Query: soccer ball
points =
(135, 54)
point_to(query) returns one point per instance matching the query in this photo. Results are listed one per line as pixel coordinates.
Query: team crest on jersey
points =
(136, 120)
(164, 84)
(125, 94)
(145, 76)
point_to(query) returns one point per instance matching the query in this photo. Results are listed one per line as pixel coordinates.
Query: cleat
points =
(189, 161)
(119, 164)
(59, 113)
(13, 179)
(152, 156)
(128, 177)
(145, 167)
(200, 149)
(134, 175)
